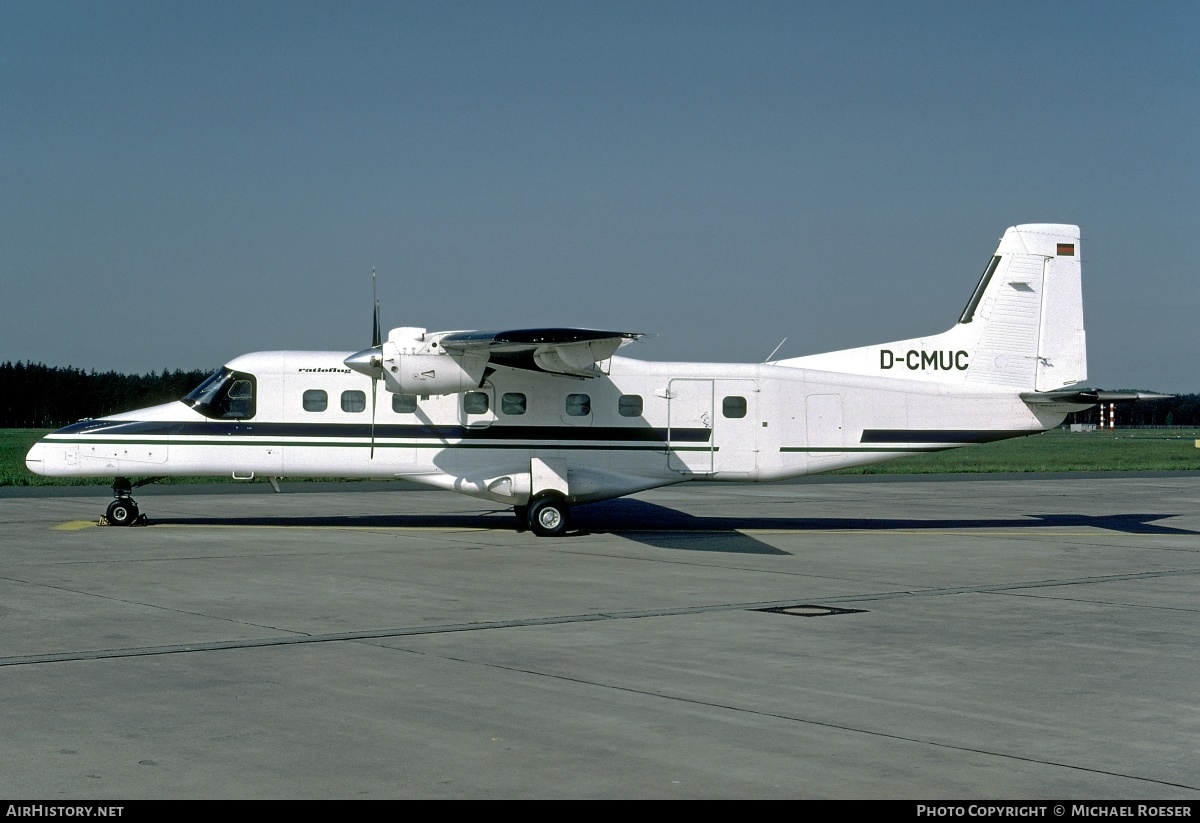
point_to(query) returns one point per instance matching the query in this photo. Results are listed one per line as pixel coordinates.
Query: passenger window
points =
(512, 403)
(630, 405)
(404, 403)
(354, 400)
(733, 406)
(475, 402)
(579, 405)
(315, 400)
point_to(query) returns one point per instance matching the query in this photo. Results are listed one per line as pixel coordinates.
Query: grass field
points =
(1059, 451)
(1053, 451)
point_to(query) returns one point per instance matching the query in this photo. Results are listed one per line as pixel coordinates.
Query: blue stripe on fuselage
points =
(250, 428)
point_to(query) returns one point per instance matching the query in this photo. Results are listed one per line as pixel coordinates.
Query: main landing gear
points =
(123, 511)
(546, 516)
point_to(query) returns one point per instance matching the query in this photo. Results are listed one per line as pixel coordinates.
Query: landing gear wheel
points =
(522, 513)
(547, 516)
(122, 512)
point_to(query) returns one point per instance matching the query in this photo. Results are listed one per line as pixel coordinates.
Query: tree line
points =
(1180, 410)
(33, 395)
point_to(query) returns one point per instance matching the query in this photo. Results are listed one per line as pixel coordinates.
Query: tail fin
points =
(1022, 329)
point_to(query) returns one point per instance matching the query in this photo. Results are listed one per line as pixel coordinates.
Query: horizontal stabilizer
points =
(1088, 397)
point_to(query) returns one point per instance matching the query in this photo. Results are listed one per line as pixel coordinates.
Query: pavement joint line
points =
(79, 525)
(377, 634)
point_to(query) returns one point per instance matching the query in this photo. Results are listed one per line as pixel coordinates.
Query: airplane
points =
(545, 419)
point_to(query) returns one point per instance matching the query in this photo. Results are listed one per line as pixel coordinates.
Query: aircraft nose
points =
(34, 460)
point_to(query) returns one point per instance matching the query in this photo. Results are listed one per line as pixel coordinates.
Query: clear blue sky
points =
(184, 182)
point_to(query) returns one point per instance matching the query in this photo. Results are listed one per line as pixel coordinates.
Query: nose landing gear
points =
(123, 511)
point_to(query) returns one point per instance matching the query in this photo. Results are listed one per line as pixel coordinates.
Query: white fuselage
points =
(543, 418)
(635, 426)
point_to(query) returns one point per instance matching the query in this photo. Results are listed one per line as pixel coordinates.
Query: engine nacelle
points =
(426, 373)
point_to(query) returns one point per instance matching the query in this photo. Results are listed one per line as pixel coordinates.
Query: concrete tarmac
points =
(968, 637)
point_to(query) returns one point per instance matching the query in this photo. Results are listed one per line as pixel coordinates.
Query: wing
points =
(557, 351)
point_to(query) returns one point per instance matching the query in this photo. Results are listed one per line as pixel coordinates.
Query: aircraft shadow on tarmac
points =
(660, 526)
(663, 527)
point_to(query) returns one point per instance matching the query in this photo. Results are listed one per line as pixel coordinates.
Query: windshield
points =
(226, 395)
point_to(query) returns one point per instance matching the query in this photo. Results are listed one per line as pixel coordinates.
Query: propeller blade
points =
(376, 332)
(376, 346)
(374, 390)
(370, 361)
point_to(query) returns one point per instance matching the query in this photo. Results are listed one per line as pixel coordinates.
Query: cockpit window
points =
(226, 395)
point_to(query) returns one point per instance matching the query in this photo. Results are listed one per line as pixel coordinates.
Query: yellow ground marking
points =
(74, 525)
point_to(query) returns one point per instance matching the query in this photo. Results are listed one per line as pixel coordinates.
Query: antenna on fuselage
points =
(777, 348)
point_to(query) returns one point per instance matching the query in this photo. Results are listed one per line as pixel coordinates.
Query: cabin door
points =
(690, 425)
(735, 426)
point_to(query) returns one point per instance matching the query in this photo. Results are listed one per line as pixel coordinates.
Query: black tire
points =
(547, 516)
(522, 513)
(122, 512)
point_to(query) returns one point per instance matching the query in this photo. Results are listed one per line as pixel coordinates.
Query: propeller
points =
(376, 345)
(370, 361)
(376, 335)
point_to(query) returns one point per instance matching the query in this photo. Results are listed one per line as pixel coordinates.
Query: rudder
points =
(1030, 309)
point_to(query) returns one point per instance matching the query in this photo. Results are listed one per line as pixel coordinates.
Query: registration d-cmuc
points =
(544, 419)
